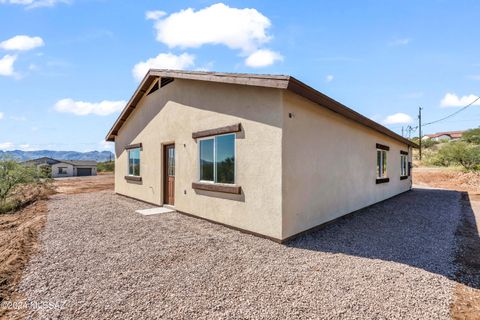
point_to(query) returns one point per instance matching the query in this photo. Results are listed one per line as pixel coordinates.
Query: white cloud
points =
(31, 4)
(398, 118)
(241, 29)
(475, 77)
(329, 78)
(27, 147)
(81, 108)
(400, 42)
(263, 58)
(1, 115)
(6, 65)
(22, 43)
(452, 100)
(106, 145)
(154, 15)
(11, 146)
(163, 61)
(6, 146)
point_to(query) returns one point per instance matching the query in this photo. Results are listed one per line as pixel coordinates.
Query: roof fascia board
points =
(315, 96)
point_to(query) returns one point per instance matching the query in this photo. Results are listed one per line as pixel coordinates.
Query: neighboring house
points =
(66, 168)
(261, 153)
(449, 135)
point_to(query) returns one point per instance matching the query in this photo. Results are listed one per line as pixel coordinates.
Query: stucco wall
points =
(329, 166)
(172, 113)
(69, 168)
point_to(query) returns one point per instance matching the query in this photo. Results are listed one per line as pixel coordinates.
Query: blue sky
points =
(67, 67)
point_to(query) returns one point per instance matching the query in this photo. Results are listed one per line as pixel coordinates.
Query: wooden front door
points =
(169, 174)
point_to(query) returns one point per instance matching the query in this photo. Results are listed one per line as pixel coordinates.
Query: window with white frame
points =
(381, 164)
(217, 159)
(134, 162)
(403, 165)
(62, 170)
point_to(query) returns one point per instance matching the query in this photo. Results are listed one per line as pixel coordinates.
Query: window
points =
(381, 164)
(403, 165)
(217, 159)
(134, 162)
(62, 170)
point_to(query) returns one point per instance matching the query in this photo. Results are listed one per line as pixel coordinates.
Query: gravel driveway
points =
(101, 260)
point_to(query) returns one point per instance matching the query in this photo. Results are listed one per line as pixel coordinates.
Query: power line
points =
(409, 129)
(456, 112)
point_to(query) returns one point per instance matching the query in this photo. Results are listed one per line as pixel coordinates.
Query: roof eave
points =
(130, 106)
(323, 100)
(269, 81)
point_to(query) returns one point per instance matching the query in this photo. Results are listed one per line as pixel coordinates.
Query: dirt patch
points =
(18, 240)
(19, 233)
(447, 179)
(76, 185)
(466, 305)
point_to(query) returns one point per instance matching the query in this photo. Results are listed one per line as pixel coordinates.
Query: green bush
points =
(428, 143)
(19, 184)
(108, 166)
(472, 136)
(457, 153)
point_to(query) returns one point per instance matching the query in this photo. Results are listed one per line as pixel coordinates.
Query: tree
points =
(472, 136)
(13, 175)
(108, 166)
(459, 152)
(428, 143)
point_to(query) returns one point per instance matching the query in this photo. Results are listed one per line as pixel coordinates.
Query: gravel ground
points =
(100, 260)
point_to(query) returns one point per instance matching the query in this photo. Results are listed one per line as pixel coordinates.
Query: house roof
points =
(284, 82)
(42, 160)
(452, 134)
(80, 162)
(51, 161)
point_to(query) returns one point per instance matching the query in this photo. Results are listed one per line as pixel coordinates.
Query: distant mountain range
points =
(99, 156)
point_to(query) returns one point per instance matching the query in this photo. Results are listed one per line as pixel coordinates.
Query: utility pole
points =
(402, 132)
(420, 132)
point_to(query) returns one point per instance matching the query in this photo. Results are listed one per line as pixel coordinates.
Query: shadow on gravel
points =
(434, 230)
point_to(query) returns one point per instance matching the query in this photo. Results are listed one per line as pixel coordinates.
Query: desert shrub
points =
(20, 184)
(472, 136)
(107, 166)
(428, 143)
(457, 153)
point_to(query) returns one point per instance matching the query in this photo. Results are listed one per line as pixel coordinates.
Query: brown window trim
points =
(383, 147)
(134, 146)
(213, 132)
(403, 177)
(133, 178)
(217, 187)
(404, 152)
(382, 180)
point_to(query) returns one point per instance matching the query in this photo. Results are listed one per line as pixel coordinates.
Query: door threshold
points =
(169, 206)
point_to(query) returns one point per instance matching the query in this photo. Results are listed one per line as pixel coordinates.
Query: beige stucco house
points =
(265, 154)
(65, 168)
